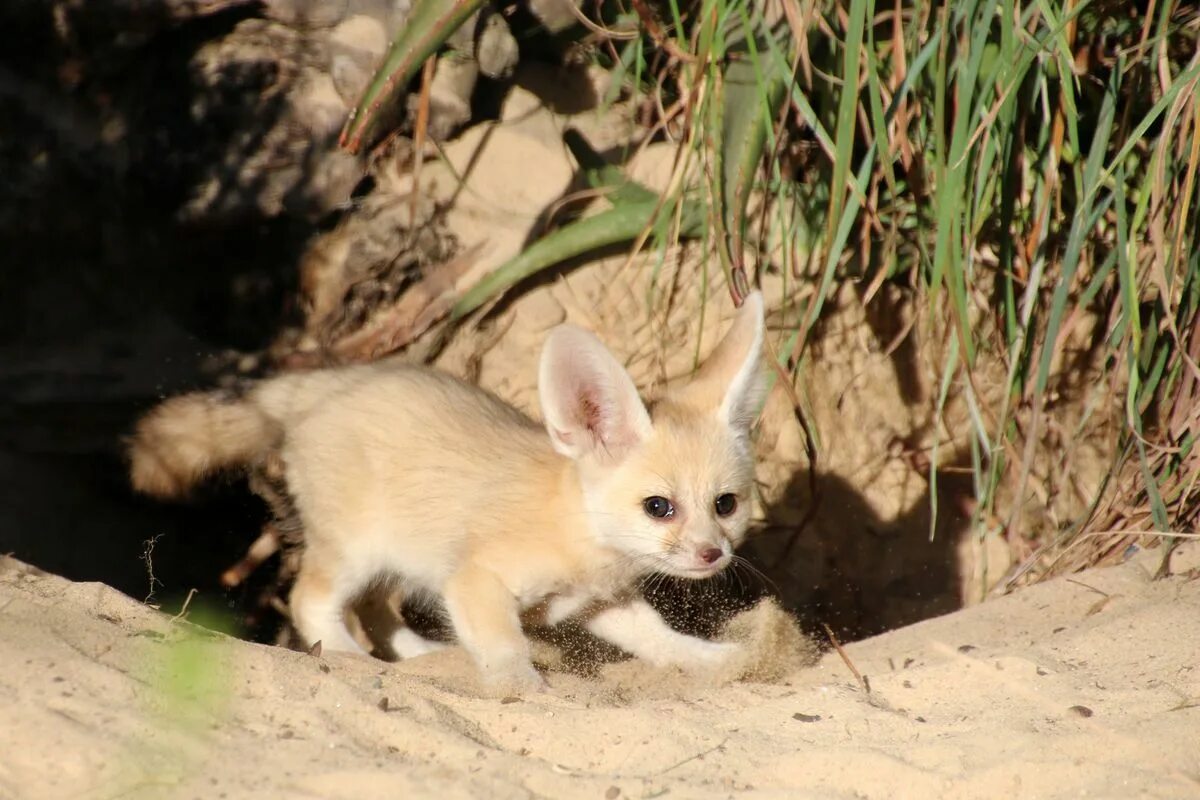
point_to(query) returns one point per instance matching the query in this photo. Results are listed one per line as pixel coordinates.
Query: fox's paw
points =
(514, 679)
(706, 655)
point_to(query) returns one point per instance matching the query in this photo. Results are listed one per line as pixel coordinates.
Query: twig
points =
(1089, 588)
(265, 546)
(696, 757)
(186, 602)
(1164, 566)
(420, 130)
(658, 35)
(862, 681)
(600, 30)
(147, 556)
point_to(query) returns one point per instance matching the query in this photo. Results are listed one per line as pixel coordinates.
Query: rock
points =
(450, 95)
(356, 46)
(555, 15)
(305, 13)
(495, 47)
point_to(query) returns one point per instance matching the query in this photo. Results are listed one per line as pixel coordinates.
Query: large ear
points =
(589, 402)
(731, 379)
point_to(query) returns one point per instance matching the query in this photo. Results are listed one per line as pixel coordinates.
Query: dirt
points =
(1085, 686)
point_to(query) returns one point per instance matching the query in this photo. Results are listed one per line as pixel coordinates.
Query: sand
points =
(1088, 686)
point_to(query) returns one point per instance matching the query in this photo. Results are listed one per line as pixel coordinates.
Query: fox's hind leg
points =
(318, 602)
(385, 624)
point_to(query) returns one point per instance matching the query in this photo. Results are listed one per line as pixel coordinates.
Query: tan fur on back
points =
(414, 466)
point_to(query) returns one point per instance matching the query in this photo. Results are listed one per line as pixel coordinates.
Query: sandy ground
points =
(1081, 687)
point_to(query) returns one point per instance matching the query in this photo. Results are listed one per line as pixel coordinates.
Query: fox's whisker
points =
(742, 563)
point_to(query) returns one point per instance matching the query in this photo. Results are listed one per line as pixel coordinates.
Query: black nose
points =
(712, 555)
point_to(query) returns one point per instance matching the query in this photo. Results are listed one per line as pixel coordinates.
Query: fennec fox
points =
(406, 472)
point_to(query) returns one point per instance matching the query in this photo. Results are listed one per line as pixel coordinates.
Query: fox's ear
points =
(731, 379)
(589, 401)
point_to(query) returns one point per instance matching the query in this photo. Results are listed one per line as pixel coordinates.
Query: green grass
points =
(1020, 171)
(1032, 168)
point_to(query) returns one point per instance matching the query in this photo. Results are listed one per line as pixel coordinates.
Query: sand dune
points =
(1087, 686)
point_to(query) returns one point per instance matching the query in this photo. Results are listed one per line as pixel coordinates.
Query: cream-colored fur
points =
(409, 473)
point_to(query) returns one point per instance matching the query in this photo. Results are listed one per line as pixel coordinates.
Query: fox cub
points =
(407, 473)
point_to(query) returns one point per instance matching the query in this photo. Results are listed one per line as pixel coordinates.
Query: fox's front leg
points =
(638, 629)
(486, 619)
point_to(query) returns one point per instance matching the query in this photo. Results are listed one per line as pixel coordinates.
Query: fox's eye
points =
(658, 507)
(725, 505)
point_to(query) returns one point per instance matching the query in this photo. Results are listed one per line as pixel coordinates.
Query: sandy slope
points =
(1053, 691)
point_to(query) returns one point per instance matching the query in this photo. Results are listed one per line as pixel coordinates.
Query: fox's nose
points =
(711, 555)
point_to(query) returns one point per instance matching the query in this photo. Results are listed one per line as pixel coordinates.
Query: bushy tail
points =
(188, 437)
